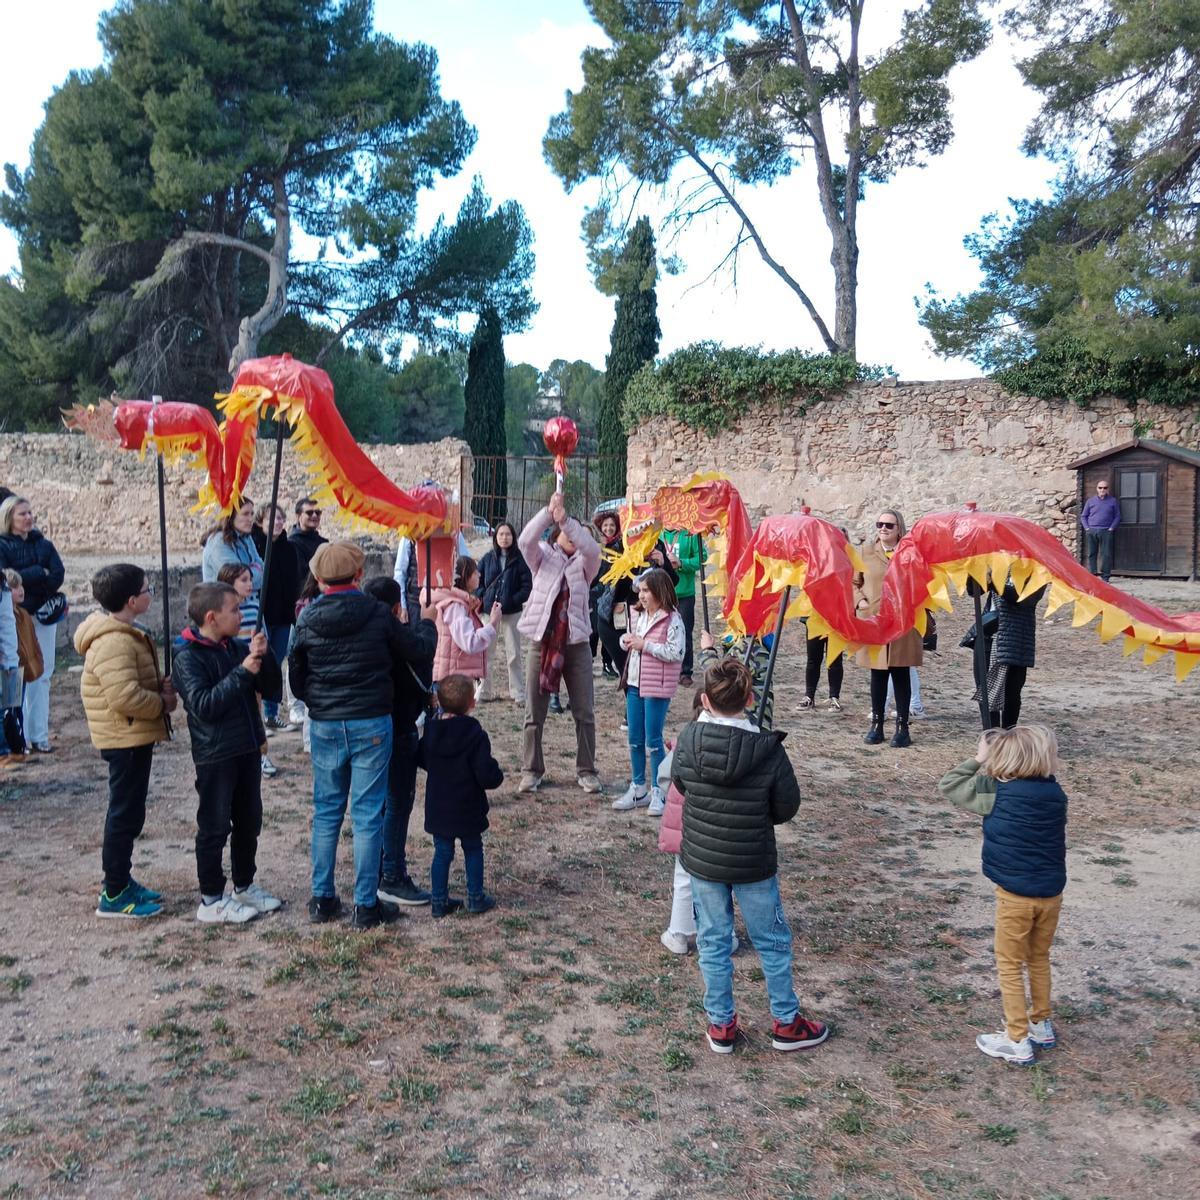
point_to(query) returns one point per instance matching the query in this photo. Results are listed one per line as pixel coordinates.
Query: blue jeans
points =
(443, 856)
(645, 718)
(349, 763)
(401, 792)
(278, 638)
(762, 910)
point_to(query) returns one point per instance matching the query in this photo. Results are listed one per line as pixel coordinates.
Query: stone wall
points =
(95, 499)
(921, 447)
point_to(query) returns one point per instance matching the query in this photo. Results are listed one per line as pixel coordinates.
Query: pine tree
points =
(483, 424)
(634, 342)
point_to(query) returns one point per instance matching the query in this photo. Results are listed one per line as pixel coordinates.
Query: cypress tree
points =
(634, 342)
(483, 422)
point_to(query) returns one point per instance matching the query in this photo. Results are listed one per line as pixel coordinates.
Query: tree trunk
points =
(845, 290)
(252, 328)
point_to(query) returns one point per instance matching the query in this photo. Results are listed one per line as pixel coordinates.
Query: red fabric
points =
(561, 437)
(554, 642)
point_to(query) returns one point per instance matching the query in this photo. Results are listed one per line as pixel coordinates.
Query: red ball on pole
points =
(561, 436)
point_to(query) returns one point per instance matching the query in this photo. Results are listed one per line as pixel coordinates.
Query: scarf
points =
(554, 642)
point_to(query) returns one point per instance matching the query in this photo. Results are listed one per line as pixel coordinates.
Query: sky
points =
(510, 66)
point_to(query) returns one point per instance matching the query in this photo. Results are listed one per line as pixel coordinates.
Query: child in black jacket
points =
(457, 757)
(219, 680)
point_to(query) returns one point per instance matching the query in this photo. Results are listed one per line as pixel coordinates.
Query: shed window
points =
(1138, 494)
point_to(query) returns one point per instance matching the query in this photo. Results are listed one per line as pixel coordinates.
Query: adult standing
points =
(505, 579)
(898, 655)
(686, 554)
(231, 540)
(278, 601)
(26, 550)
(1100, 517)
(557, 625)
(1013, 650)
(608, 525)
(305, 535)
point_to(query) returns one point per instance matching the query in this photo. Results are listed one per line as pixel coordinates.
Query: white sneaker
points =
(918, 714)
(734, 944)
(1000, 1045)
(529, 782)
(229, 910)
(657, 802)
(590, 783)
(677, 943)
(269, 769)
(1042, 1035)
(633, 798)
(257, 899)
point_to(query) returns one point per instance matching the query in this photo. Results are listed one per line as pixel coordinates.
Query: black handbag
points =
(929, 641)
(53, 610)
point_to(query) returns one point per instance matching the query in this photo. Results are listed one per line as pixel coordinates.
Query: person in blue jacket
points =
(1010, 782)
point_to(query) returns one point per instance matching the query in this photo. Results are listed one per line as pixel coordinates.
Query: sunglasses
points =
(885, 524)
(311, 512)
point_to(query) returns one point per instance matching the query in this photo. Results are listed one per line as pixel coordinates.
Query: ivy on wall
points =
(707, 386)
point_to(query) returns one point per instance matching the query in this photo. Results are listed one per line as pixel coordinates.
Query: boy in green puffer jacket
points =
(738, 784)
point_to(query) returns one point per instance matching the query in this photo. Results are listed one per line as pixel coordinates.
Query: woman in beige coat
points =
(899, 655)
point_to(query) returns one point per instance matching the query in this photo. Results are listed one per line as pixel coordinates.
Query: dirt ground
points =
(554, 1049)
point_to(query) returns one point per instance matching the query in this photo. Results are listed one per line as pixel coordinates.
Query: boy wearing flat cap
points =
(344, 652)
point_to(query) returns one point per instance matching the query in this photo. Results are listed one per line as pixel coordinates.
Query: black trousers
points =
(128, 783)
(1014, 681)
(14, 730)
(687, 611)
(901, 685)
(230, 810)
(812, 670)
(610, 639)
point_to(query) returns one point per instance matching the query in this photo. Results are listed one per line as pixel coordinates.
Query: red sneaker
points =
(722, 1038)
(799, 1034)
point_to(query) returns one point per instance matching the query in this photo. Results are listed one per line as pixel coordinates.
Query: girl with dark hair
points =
(505, 579)
(655, 645)
(231, 540)
(463, 638)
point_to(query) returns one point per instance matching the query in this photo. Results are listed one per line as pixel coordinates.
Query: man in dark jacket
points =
(305, 534)
(457, 757)
(410, 698)
(1012, 651)
(219, 679)
(278, 599)
(738, 784)
(343, 660)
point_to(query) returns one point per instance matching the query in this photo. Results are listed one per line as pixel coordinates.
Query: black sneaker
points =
(324, 908)
(556, 705)
(610, 672)
(402, 891)
(379, 913)
(439, 908)
(481, 904)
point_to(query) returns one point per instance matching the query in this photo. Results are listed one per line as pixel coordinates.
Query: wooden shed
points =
(1158, 485)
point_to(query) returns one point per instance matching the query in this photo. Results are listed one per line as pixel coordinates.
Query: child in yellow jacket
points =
(126, 701)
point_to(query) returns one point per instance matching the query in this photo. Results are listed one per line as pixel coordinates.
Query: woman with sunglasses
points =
(897, 656)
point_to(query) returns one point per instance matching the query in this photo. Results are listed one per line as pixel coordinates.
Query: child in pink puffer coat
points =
(464, 639)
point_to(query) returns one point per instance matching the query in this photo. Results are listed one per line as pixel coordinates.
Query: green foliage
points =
(520, 401)
(634, 343)
(706, 99)
(708, 386)
(1096, 289)
(483, 422)
(157, 220)
(578, 389)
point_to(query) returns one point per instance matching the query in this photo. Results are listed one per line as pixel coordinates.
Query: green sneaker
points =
(145, 894)
(126, 904)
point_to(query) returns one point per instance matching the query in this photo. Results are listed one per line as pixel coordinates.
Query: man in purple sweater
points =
(1101, 515)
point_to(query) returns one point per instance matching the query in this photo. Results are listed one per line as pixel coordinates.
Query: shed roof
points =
(1166, 449)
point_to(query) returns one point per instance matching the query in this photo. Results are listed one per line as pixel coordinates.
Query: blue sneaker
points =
(126, 904)
(144, 893)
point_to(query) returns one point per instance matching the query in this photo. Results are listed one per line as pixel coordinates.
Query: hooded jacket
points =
(37, 560)
(218, 695)
(549, 566)
(121, 686)
(506, 580)
(463, 638)
(457, 757)
(345, 652)
(738, 785)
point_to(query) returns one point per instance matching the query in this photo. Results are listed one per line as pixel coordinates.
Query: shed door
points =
(1139, 544)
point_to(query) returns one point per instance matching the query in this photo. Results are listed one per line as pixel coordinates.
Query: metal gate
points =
(513, 487)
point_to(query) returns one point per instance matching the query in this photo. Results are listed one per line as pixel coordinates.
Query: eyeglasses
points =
(1102, 487)
(310, 512)
(146, 591)
(885, 524)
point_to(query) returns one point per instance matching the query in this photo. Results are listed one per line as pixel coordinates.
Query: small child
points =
(32, 666)
(738, 785)
(463, 638)
(457, 757)
(1010, 782)
(219, 681)
(755, 653)
(680, 935)
(125, 700)
(655, 645)
(10, 677)
(239, 577)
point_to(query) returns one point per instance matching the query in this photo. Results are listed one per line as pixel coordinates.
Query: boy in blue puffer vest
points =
(1011, 783)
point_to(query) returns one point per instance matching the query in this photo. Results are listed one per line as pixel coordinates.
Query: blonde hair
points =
(10, 506)
(1022, 752)
(13, 578)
